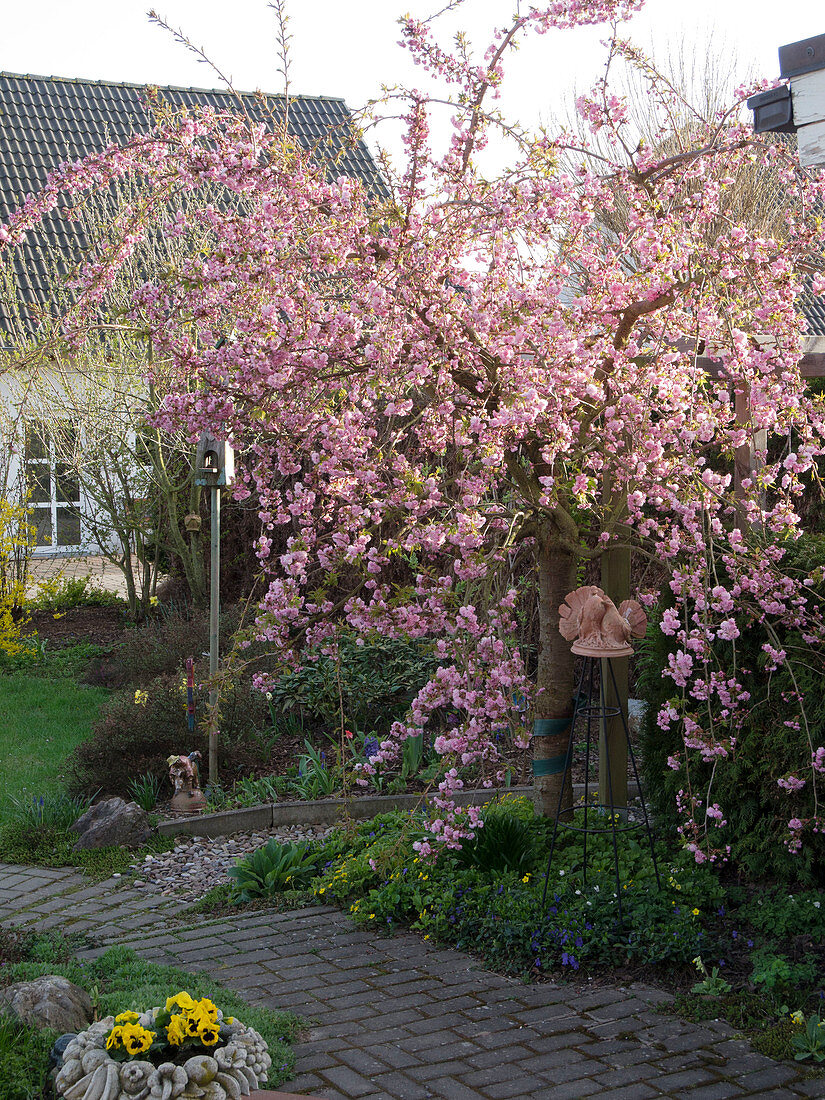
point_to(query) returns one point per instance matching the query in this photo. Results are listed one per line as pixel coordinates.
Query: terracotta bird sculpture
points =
(596, 627)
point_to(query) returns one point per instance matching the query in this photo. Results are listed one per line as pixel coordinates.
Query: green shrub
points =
(745, 785)
(375, 682)
(161, 646)
(273, 869)
(64, 593)
(506, 842)
(137, 731)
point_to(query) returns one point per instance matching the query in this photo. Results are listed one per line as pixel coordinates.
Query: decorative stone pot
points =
(188, 802)
(226, 1072)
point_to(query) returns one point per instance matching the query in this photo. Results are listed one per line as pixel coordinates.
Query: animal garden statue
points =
(596, 627)
(185, 776)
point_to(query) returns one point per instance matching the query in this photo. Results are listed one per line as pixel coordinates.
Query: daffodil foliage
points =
(477, 365)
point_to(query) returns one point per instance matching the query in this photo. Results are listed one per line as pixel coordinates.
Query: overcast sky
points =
(348, 48)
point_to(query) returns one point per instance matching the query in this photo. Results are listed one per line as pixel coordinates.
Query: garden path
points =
(397, 1018)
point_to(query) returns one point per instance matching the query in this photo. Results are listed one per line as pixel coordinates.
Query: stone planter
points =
(230, 1070)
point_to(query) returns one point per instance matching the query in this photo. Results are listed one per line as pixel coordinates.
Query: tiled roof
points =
(45, 121)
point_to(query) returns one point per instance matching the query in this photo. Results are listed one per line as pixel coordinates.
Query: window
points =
(53, 484)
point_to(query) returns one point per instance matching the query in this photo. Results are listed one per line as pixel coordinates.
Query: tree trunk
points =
(554, 683)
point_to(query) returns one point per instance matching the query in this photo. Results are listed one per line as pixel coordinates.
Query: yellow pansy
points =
(176, 1030)
(136, 1039)
(113, 1041)
(208, 1034)
(127, 1018)
(182, 1001)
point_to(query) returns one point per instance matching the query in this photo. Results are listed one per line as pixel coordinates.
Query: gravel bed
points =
(197, 863)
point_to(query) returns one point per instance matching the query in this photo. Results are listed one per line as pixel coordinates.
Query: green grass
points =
(43, 717)
(116, 982)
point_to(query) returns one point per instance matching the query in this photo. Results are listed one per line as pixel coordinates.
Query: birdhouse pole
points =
(215, 468)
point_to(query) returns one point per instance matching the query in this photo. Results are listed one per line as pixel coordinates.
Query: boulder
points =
(113, 823)
(50, 1001)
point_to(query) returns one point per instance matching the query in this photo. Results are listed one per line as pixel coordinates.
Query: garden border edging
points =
(328, 811)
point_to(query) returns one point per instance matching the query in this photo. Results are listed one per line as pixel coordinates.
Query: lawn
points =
(42, 718)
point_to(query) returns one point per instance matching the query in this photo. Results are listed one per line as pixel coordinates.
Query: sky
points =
(348, 48)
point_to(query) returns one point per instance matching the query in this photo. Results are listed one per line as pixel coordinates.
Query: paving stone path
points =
(398, 1019)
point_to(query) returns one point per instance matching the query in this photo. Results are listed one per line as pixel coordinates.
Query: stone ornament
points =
(596, 627)
(228, 1072)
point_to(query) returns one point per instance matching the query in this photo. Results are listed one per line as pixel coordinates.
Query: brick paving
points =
(400, 1019)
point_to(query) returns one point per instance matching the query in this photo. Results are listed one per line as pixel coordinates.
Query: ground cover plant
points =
(118, 981)
(753, 955)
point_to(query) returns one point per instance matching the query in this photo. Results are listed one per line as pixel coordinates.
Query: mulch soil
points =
(94, 625)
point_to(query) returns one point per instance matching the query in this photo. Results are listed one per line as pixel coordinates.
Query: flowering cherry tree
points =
(422, 385)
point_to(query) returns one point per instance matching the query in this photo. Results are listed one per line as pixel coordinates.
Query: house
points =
(44, 122)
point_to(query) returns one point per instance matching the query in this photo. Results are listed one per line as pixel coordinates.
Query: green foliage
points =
(273, 869)
(475, 903)
(24, 1059)
(53, 811)
(811, 1042)
(64, 593)
(781, 915)
(745, 786)
(375, 681)
(145, 790)
(316, 778)
(505, 843)
(711, 984)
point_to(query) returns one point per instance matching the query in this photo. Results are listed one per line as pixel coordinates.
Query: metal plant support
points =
(215, 468)
(591, 706)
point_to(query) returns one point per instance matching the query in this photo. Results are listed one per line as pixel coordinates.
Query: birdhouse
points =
(214, 461)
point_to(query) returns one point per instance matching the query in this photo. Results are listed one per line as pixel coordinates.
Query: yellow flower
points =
(526, 877)
(136, 1039)
(372, 916)
(208, 1008)
(141, 698)
(797, 1017)
(127, 1018)
(153, 601)
(113, 1040)
(695, 912)
(208, 1034)
(180, 1000)
(176, 1030)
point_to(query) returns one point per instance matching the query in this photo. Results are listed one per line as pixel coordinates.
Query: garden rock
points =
(113, 823)
(50, 1001)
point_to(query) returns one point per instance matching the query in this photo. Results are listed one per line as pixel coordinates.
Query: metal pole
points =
(214, 619)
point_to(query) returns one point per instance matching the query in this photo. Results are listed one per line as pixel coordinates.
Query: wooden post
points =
(615, 578)
(746, 463)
